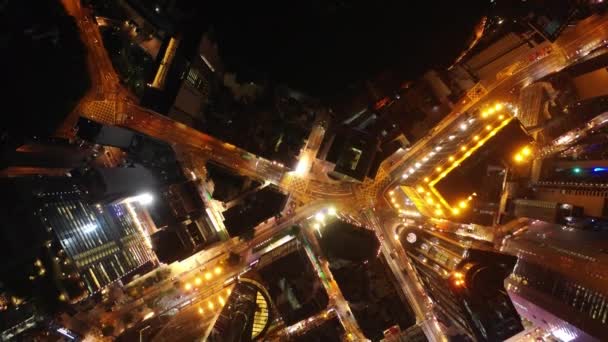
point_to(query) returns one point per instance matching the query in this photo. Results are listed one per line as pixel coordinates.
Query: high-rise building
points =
(62, 246)
(562, 271)
(246, 315)
(464, 278)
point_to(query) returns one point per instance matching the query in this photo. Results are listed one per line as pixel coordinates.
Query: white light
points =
(452, 137)
(88, 228)
(418, 165)
(149, 315)
(404, 176)
(411, 237)
(303, 165)
(412, 170)
(432, 153)
(463, 126)
(564, 335)
(144, 199)
(319, 216)
(331, 211)
(438, 148)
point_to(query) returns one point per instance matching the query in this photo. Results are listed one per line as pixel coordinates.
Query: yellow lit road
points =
(108, 102)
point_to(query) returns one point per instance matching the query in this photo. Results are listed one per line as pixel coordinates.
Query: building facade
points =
(464, 279)
(562, 271)
(104, 242)
(62, 247)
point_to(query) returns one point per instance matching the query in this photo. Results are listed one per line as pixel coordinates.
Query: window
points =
(193, 77)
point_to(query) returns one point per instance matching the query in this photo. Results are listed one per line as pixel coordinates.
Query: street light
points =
(319, 216)
(188, 287)
(201, 311)
(332, 211)
(198, 281)
(208, 276)
(518, 158)
(217, 270)
(462, 204)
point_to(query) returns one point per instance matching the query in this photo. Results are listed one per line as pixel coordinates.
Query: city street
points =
(318, 192)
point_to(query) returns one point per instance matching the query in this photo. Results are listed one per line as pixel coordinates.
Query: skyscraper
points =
(464, 278)
(560, 281)
(55, 239)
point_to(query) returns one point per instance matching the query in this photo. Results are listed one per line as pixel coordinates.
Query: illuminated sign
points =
(411, 237)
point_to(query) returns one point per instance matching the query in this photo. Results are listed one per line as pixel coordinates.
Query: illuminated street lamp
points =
(462, 204)
(319, 216)
(217, 270)
(332, 211)
(188, 287)
(518, 158)
(208, 275)
(201, 311)
(198, 281)
(455, 211)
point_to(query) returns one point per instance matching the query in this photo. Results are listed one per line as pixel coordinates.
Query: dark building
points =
(563, 271)
(113, 184)
(547, 211)
(157, 156)
(464, 278)
(579, 183)
(51, 157)
(62, 247)
(353, 152)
